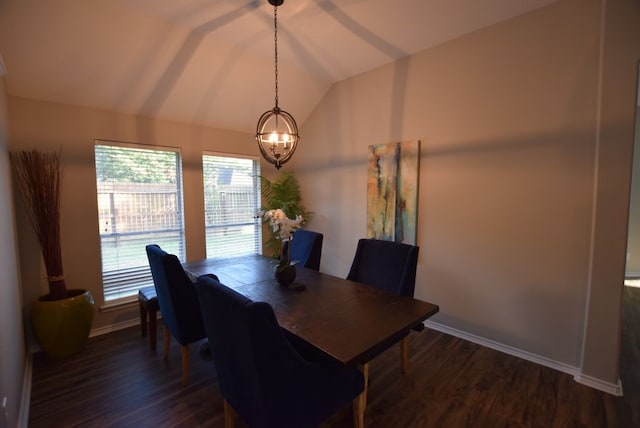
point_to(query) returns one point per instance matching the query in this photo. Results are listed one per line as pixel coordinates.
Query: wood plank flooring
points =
(118, 382)
(630, 356)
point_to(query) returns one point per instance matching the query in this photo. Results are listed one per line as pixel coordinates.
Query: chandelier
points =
(277, 132)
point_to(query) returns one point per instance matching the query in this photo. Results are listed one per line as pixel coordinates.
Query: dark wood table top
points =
(345, 319)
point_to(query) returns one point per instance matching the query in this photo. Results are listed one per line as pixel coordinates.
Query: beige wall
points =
(507, 120)
(620, 55)
(50, 126)
(12, 345)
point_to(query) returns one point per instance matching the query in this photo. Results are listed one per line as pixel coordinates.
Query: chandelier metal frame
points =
(277, 132)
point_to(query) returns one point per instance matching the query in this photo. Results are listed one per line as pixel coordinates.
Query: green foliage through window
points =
(136, 166)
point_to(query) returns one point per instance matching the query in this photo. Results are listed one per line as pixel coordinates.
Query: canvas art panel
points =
(392, 191)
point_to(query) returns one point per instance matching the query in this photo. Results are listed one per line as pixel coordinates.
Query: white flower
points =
(281, 225)
(282, 228)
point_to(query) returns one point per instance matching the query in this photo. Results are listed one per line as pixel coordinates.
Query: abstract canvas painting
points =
(392, 191)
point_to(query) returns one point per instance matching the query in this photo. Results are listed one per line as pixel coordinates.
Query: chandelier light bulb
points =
(273, 137)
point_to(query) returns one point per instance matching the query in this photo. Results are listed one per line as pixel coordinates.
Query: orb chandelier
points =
(277, 132)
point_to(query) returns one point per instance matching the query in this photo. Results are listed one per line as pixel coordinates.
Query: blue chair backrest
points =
(177, 296)
(386, 265)
(254, 361)
(306, 247)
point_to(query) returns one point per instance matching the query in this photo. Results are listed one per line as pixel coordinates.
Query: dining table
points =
(345, 319)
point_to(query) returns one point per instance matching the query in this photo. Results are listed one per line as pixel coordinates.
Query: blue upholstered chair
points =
(389, 266)
(261, 374)
(306, 247)
(178, 302)
(386, 265)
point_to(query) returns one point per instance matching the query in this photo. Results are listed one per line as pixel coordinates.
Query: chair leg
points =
(229, 415)
(359, 405)
(364, 368)
(153, 321)
(185, 365)
(143, 320)
(405, 354)
(167, 339)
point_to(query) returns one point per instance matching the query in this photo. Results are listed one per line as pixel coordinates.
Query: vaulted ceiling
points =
(211, 61)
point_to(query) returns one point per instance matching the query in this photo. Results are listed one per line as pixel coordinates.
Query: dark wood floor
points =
(630, 356)
(117, 382)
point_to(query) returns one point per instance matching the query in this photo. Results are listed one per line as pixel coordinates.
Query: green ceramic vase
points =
(62, 326)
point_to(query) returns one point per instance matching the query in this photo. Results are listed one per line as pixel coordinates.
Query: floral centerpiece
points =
(283, 228)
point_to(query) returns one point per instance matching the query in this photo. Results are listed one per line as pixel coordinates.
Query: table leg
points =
(358, 409)
(405, 354)
(364, 368)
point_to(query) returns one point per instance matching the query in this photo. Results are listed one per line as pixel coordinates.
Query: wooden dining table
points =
(345, 319)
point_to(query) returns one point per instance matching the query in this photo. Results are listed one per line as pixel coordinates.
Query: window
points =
(231, 202)
(139, 203)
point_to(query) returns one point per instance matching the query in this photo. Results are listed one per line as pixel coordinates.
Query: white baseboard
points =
(25, 399)
(595, 383)
(114, 327)
(592, 382)
(534, 358)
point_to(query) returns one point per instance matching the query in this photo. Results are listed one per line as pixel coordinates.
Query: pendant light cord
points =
(275, 39)
(277, 131)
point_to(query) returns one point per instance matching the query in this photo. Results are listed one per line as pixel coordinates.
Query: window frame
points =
(258, 198)
(141, 272)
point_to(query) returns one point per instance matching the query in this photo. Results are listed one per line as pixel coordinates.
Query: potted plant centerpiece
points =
(283, 228)
(282, 193)
(62, 318)
(282, 202)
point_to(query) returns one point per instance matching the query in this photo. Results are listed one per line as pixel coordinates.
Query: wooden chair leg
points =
(359, 405)
(364, 368)
(143, 320)
(167, 340)
(229, 415)
(185, 365)
(405, 354)
(153, 329)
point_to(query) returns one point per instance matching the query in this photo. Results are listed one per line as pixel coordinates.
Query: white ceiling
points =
(211, 61)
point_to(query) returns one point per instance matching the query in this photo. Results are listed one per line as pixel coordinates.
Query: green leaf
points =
(283, 193)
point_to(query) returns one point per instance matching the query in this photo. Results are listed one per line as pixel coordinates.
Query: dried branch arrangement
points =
(39, 178)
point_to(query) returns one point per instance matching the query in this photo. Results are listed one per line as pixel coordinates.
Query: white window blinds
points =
(231, 201)
(139, 203)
